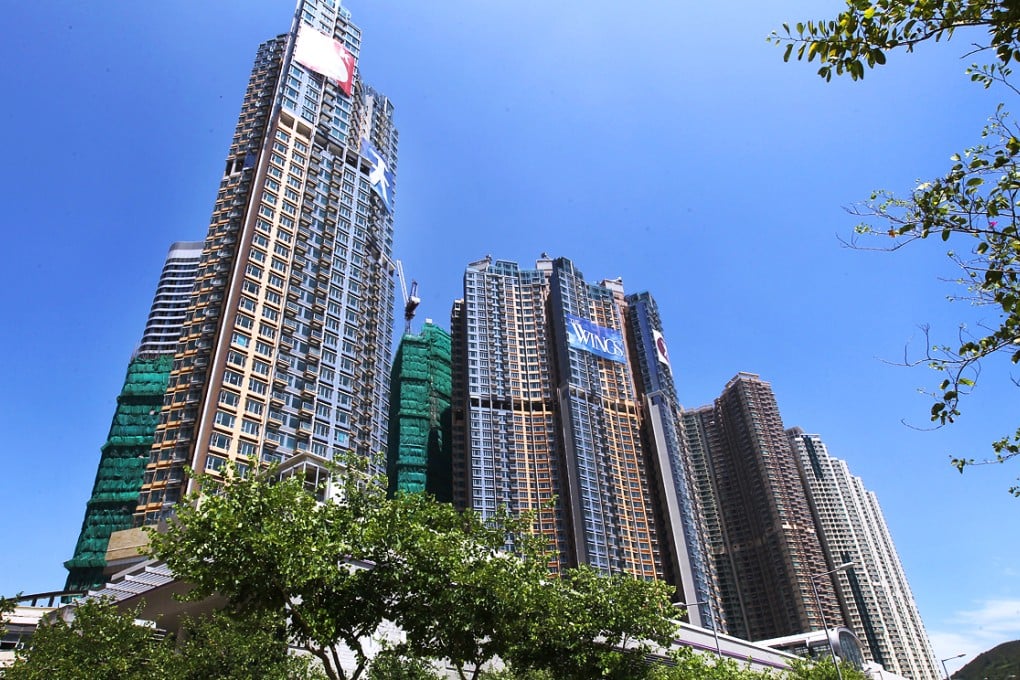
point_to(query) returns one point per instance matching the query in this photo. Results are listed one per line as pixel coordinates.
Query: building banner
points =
(660, 348)
(379, 176)
(325, 56)
(603, 342)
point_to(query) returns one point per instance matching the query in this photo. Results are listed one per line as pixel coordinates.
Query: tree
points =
(6, 607)
(686, 664)
(98, 642)
(390, 664)
(973, 206)
(462, 588)
(589, 625)
(822, 669)
(273, 550)
(228, 647)
(459, 590)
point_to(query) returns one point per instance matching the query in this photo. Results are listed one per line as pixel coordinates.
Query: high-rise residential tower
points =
(679, 516)
(170, 305)
(549, 403)
(874, 592)
(761, 532)
(285, 346)
(119, 475)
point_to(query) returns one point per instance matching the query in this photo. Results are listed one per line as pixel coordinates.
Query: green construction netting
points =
(121, 468)
(419, 457)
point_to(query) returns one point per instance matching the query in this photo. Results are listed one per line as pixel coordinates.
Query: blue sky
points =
(666, 143)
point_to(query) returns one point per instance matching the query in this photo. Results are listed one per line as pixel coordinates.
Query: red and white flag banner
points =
(325, 56)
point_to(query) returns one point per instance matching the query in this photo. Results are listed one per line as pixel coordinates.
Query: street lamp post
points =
(821, 613)
(946, 670)
(715, 624)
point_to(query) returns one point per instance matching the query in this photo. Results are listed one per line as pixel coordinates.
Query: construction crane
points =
(411, 301)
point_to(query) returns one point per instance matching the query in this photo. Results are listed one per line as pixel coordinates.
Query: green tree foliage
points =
(463, 589)
(603, 626)
(822, 669)
(689, 665)
(974, 205)
(867, 31)
(102, 642)
(1001, 662)
(391, 664)
(6, 608)
(98, 643)
(458, 590)
(272, 549)
(227, 647)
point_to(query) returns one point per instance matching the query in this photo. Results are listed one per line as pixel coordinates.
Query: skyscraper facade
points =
(285, 345)
(170, 304)
(549, 416)
(874, 592)
(119, 474)
(679, 517)
(766, 549)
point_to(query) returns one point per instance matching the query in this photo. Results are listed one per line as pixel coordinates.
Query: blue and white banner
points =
(379, 176)
(603, 342)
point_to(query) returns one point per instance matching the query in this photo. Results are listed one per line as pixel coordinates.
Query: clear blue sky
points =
(663, 142)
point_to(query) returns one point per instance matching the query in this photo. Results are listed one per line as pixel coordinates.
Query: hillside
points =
(999, 663)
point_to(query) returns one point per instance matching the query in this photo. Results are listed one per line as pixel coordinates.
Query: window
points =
(215, 463)
(240, 339)
(254, 407)
(232, 377)
(236, 358)
(257, 386)
(228, 398)
(224, 419)
(250, 427)
(263, 348)
(219, 441)
(260, 367)
(245, 448)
